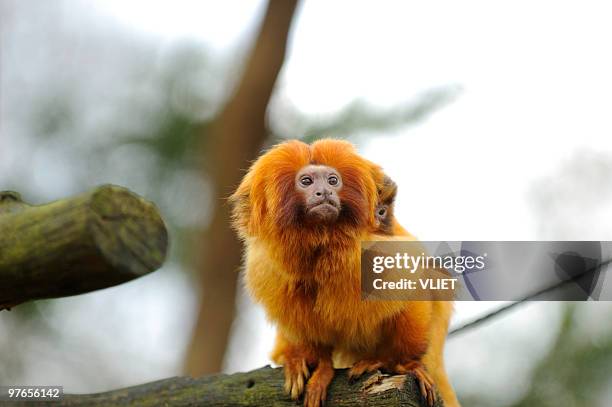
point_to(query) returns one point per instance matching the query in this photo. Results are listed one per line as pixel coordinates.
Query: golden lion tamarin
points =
(302, 211)
(385, 217)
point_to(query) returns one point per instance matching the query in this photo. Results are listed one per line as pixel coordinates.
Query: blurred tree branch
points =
(359, 117)
(237, 136)
(95, 240)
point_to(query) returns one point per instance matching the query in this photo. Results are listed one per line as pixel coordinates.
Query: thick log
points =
(95, 240)
(262, 387)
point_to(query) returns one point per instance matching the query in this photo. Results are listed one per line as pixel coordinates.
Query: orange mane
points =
(266, 205)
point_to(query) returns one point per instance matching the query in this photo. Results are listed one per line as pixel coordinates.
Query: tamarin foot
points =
(362, 367)
(296, 374)
(426, 383)
(316, 390)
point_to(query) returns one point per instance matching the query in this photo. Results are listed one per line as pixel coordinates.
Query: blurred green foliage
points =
(577, 371)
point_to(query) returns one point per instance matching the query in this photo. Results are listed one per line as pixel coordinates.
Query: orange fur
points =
(307, 277)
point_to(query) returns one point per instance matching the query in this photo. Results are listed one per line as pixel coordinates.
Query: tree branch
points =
(95, 240)
(261, 387)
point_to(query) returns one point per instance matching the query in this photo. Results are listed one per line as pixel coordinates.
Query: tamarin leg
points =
(406, 340)
(298, 360)
(316, 390)
(295, 361)
(434, 357)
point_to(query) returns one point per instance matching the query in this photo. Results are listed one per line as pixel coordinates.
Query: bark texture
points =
(262, 387)
(95, 240)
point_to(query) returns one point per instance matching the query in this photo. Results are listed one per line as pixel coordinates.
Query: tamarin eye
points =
(382, 212)
(333, 180)
(306, 181)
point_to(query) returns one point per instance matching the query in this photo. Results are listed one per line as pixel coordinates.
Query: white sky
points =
(536, 80)
(535, 77)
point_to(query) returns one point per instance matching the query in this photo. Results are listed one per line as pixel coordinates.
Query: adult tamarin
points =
(302, 211)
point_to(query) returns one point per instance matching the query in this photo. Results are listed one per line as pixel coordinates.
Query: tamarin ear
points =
(244, 207)
(387, 191)
(248, 206)
(239, 204)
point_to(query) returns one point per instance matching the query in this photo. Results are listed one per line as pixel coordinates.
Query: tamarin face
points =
(387, 192)
(294, 187)
(319, 186)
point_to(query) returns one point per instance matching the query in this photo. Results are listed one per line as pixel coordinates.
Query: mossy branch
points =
(95, 240)
(261, 387)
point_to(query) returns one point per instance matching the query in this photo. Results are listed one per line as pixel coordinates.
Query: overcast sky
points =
(535, 80)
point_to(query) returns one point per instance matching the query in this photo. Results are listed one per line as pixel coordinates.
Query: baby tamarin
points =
(386, 223)
(302, 211)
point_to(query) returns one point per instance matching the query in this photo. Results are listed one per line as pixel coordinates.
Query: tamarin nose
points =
(324, 192)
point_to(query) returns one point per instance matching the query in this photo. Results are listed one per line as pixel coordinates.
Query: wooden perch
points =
(262, 387)
(95, 240)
